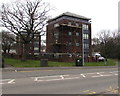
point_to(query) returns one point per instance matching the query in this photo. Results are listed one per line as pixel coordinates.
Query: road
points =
(63, 81)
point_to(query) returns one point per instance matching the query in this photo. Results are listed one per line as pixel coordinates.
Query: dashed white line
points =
(96, 76)
(66, 77)
(99, 75)
(36, 79)
(90, 73)
(49, 76)
(52, 80)
(7, 81)
(83, 75)
(62, 77)
(12, 81)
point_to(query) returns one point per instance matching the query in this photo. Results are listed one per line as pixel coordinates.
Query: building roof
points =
(71, 15)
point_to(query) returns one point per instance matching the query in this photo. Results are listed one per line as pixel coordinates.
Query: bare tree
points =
(108, 44)
(117, 43)
(96, 45)
(7, 41)
(104, 37)
(25, 19)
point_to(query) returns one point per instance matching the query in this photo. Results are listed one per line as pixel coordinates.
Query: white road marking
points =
(108, 75)
(99, 73)
(12, 81)
(7, 81)
(83, 75)
(36, 78)
(90, 73)
(49, 76)
(48, 80)
(96, 76)
(116, 71)
(94, 73)
(62, 77)
(74, 76)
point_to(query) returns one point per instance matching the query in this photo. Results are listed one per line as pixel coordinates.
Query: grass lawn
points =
(19, 63)
(110, 62)
(36, 63)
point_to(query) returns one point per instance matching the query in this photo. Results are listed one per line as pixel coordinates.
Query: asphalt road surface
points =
(63, 81)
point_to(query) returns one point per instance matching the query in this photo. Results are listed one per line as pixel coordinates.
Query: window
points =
(31, 48)
(69, 33)
(36, 53)
(77, 24)
(36, 48)
(69, 23)
(77, 44)
(85, 36)
(77, 33)
(56, 25)
(69, 43)
(84, 26)
(36, 44)
(86, 46)
(56, 35)
(56, 41)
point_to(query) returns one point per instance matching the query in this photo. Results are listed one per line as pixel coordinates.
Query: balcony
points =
(70, 25)
(67, 25)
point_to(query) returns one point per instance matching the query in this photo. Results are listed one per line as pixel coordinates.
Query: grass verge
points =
(36, 63)
(110, 62)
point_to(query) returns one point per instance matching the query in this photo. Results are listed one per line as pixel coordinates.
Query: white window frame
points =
(85, 36)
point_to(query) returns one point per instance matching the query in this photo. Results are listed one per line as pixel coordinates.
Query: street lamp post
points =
(82, 46)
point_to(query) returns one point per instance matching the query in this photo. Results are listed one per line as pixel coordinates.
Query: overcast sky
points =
(103, 13)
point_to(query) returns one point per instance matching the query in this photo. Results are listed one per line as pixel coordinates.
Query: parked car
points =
(101, 59)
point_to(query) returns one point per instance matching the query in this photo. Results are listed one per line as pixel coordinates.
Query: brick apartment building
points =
(64, 37)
